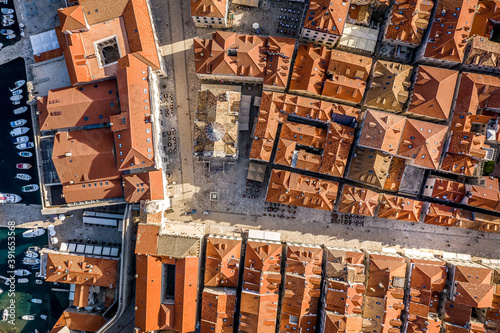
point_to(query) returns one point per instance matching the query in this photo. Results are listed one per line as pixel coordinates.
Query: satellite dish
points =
(255, 26)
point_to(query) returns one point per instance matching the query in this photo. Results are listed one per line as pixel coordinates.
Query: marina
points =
(9, 24)
(11, 161)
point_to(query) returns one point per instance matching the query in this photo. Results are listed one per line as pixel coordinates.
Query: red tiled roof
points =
(467, 143)
(433, 92)
(81, 270)
(148, 292)
(209, 8)
(382, 131)
(399, 208)
(448, 190)
(217, 310)
(484, 198)
(93, 190)
(336, 151)
(474, 294)
(78, 321)
(485, 18)
(132, 128)
(409, 20)
(327, 16)
(294, 189)
(147, 239)
(477, 91)
(359, 201)
(481, 275)
(447, 216)
(222, 262)
(78, 106)
(450, 30)
(72, 18)
(143, 186)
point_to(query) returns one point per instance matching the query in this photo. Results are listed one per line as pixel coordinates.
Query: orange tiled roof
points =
(222, 262)
(429, 275)
(76, 154)
(467, 143)
(484, 198)
(78, 321)
(390, 85)
(485, 18)
(457, 163)
(336, 151)
(382, 131)
(309, 71)
(93, 190)
(447, 216)
(148, 291)
(475, 275)
(477, 91)
(450, 30)
(359, 201)
(228, 53)
(398, 208)
(409, 21)
(370, 166)
(336, 323)
(433, 92)
(383, 269)
(72, 18)
(448, 190)
(327, 16)
(294, 189)
(143, 186)
(209, 8)
(422, 142)
(133, 131)
(474, 295)
(217, 310)
(81, 270)
(78, 106)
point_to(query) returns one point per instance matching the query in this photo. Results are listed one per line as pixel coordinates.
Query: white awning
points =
(46, 41)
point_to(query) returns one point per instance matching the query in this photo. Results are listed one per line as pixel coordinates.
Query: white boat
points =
(36, 301)
(44, 317)
(19, 122)
(19, 131)
(7, 22)
(9, 198)
(7, 11)
(18, 84)
(26, 145)
(23, 176)
(33, 232)
(17, 92)
(22, 280)
(31, 261)
(23, 166)
(16, 99)
(5, 315)
(7, 16)
(21, 272)
(25, 154)
(6, 32)
(11, 36)
(20, 139)
(20, 110)
(30, 188)
(38, 281)
(33, 249)
(28, 317)
(30, 254)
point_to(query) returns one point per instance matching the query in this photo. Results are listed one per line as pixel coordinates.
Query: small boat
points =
(6, 32)
(31, 261)
(26, 145)
(19, 122)
(21, 272)
(36, 301)
(22, 280)
(30, 188)
(44, 317)
(17, 92)
(5, 315)
(18, 84)
(11, 36)
(23, 166)
(25, 154)
(7, 22)
(16, 99)
(19, 131)
(33, 232)
(7, 16)
(20, 139)
(33, 249)
(9, 198)
(7, 11)
(28, 317)
(35, 267)
(23, 176)
(30, 254)
(38, 281)
(20, 110)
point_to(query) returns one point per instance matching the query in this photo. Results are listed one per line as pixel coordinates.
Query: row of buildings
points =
(256, 283)
(446, 33)
(100, 138)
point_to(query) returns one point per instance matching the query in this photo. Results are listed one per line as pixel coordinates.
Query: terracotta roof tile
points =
(369, 166)
(78, 321)
(209, 8)
(382, 131)
(487, 13)
(398, 208)
(409, 20)
(448, 217)
(477, 91)
(450, 30)
(327, 16)
(222, 262)
(143, 186)
(458, 163)
(433, 92)
(359, 201)
(217, 310)
(484, 198)
(448, 190)
(72, 18)
(474, 295)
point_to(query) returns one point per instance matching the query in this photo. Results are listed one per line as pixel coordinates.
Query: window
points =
(148, 140)
(112, 104)
(100, 116)
(119, 136)
(147, 130)
(85, 118)
(56, 113)
(294, 320)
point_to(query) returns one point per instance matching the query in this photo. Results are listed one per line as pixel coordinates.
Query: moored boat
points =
(23, 166)
(18, 84)
(23, 176)
(31, 261)
(5, 315)
(33, 232)
(33, 249)
(26, 145)
(17, 92)
(19, 122)
(7, 22)
(16, 99)
(6, 32)
(21, 272)
(7, 11)
(30, 254)
(7, 16)
(38, 281)
(9, 198)
(11, 36)
(20, 139)
(19, 131)
(30, 188)
(25, 154)
(20, 110)
(28, 317)
(44, 317)
(36, 300)
(22, 280)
